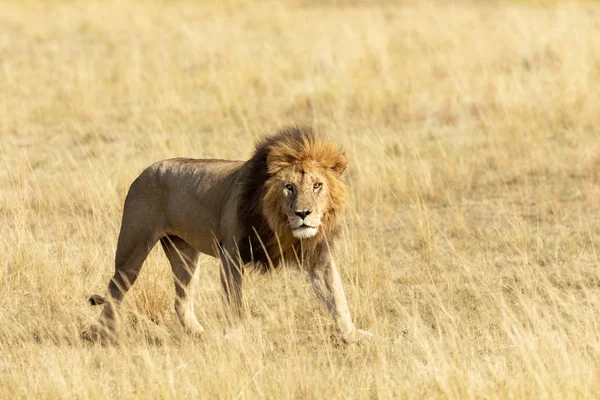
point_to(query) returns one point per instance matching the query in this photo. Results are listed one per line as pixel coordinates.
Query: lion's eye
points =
(289, 187)
(317, 185)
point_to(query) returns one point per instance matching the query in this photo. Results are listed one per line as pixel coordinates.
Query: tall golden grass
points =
(471, 243)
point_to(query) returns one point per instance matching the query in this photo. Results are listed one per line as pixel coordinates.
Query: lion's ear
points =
(340, 164)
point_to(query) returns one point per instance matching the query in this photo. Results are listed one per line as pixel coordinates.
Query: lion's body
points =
(285, 203)
(195, 200)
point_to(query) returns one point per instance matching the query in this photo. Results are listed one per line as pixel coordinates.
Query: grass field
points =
(470, 247)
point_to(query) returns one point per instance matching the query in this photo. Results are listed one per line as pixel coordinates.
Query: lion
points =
(284, 205)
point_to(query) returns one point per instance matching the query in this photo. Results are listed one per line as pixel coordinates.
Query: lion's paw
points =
(363, 335)
(98, 334)
(358, 335)
(194, 330)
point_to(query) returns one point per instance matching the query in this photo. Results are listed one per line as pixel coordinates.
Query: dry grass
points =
(472, 238)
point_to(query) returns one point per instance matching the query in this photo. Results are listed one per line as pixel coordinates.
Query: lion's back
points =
(189, 172)
(183, 197)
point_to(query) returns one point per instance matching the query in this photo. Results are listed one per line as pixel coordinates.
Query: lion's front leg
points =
(334, 298)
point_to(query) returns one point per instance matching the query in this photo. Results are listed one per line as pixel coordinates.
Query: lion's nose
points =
(303, 214)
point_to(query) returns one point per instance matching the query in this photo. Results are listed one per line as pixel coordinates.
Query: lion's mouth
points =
(304, 231)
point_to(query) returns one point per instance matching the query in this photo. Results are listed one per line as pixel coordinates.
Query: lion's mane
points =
(267, 241)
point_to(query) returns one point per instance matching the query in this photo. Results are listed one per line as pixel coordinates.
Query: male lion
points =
(284, 204)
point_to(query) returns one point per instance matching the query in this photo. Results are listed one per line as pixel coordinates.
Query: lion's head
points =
(303, 190)
(294, 190)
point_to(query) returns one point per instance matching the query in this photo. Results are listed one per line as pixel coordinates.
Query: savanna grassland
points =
(470, 247)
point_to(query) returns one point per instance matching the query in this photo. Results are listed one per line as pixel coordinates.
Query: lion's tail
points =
(96, 300)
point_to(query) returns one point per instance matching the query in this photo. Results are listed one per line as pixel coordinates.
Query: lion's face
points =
(305, 199)
(305, 195)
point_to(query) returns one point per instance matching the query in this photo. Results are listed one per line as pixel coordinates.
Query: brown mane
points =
(267, 240)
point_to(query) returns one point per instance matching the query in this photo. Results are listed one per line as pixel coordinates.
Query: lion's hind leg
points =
(183, 259)
(135, 242)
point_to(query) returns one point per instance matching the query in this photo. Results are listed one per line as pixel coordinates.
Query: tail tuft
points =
(96, 300)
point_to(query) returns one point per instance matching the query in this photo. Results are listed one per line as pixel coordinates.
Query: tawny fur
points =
(284, 204)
